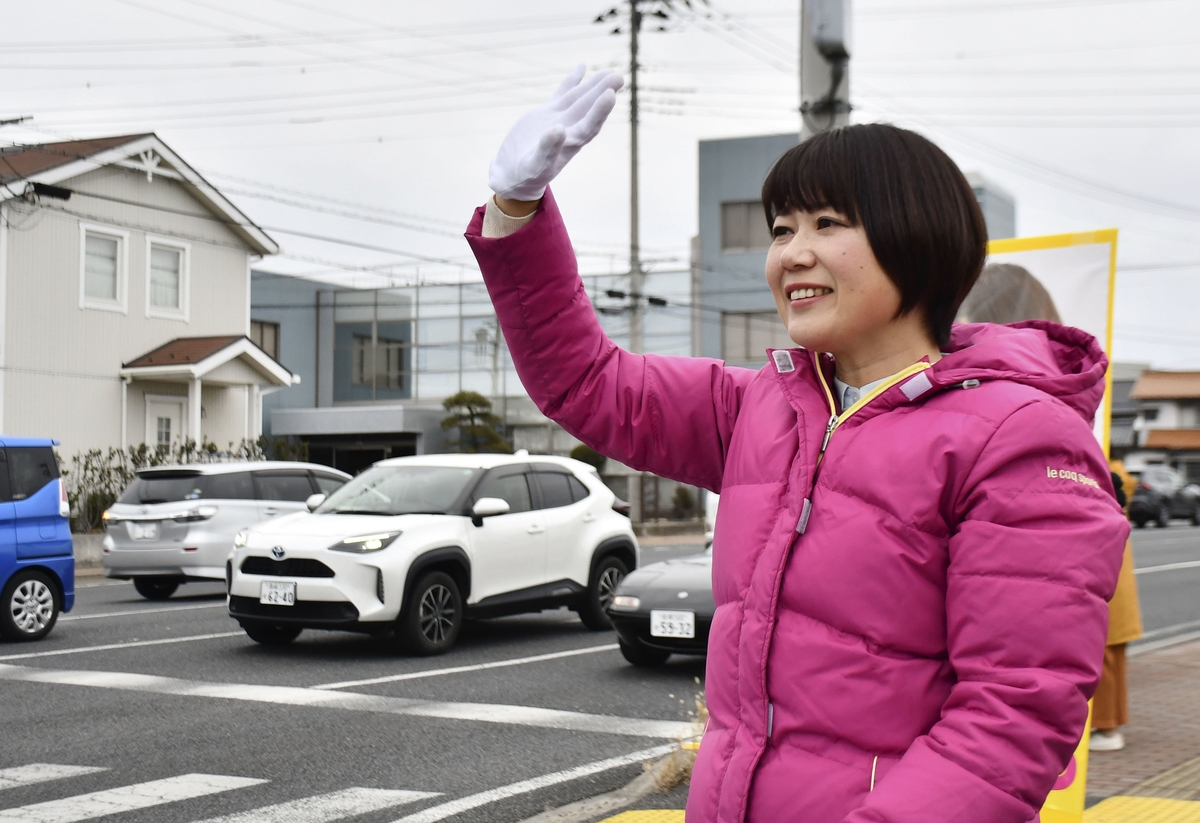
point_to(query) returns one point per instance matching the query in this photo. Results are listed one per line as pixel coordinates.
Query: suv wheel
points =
(271, 634)
(432, 617)
(607, 575)
(1163, 518)
(641, 656)
(155, 588)
(31, 606)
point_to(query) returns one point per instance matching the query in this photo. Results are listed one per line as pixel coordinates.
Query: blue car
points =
(37, 565)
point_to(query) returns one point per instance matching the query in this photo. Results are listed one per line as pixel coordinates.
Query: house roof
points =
(21, 162)
(183, 351)
(55, 163)
(1167, 385)
(1174, 439)
(191, 358)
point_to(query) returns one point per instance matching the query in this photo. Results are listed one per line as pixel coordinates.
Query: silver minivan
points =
(177, 523)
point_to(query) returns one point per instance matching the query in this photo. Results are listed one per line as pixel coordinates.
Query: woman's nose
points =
(798, 254)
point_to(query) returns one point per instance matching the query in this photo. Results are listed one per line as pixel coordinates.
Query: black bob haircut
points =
(918, 211)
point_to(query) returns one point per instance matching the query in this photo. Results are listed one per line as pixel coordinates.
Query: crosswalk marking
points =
(474, 801)
(354, 701)
(40, 773)
(326, 807)
(125, 799)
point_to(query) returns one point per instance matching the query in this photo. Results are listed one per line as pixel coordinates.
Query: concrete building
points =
(738, 320)
(376, 364)
(124, 299)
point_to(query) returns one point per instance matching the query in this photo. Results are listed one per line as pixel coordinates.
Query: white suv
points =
(414, 545)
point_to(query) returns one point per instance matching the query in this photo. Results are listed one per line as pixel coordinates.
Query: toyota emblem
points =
(277, 552)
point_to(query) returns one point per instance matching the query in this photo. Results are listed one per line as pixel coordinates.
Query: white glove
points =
(544, 139)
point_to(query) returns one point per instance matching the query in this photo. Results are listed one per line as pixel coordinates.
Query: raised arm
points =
(670, 415)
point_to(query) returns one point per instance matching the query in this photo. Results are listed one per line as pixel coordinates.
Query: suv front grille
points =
(292, 567)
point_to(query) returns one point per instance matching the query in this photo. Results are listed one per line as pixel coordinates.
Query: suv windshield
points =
(394, 490)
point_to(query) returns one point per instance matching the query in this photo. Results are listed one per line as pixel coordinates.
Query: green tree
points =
(586, 454)
(478, 429)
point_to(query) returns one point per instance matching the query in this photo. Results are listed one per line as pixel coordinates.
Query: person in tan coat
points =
(1110, 706)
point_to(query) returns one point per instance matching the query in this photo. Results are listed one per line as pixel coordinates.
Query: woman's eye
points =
(780, 231)
(826, 222)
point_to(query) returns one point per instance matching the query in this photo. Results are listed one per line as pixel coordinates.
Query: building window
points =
(746, 336)
(1150, 415)
(380, 365)
(266, 336)
(743, 227)
(102, 268)
(163, 432)
(166, 278)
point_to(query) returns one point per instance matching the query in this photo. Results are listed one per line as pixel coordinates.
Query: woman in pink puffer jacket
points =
(910, 585)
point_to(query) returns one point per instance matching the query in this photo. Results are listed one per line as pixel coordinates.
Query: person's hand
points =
(547, 137)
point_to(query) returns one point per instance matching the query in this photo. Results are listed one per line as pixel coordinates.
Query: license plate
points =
(672, 624)
(142, 531)
(277, 594)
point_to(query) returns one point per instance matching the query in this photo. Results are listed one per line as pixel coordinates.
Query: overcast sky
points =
(373, 122)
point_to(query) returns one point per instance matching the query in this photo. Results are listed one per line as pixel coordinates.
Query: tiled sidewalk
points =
(1161, 757)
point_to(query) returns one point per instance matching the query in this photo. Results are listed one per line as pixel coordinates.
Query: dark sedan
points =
(1163, 493)
(664, 609)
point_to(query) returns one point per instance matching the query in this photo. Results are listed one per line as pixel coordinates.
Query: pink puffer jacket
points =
(910, 620)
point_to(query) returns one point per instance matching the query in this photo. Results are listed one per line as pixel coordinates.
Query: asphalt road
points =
(165, 711)
(1167, 563)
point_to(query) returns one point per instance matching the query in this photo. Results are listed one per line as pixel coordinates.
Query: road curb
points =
(668, 772)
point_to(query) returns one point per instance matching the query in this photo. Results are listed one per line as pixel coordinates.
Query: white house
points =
(125, 299)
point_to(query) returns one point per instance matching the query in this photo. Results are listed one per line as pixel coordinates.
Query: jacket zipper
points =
(836, 420)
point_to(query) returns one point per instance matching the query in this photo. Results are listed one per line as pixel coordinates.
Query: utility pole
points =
(824, 65)
(637, 336)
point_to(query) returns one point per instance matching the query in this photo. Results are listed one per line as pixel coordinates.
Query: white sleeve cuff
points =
(498, 224)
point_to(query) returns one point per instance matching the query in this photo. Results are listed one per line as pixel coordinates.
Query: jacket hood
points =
(1062, 361)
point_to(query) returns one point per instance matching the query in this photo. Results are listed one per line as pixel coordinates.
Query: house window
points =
(166, 278)
(102, 268)
(165, 265)
(743, 227)
(266, 336)
(1150, 415)
(163, 433)
(746, 336)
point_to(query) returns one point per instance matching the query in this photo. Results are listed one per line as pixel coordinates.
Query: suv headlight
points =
(239, 539)
(365, 542)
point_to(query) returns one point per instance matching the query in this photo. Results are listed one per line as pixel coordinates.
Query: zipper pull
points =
(829, 432)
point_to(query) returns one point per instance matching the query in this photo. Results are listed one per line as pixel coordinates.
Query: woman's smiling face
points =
(831, 292)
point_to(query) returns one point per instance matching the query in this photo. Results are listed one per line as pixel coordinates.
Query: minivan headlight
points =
(239, 539)
(365, 542)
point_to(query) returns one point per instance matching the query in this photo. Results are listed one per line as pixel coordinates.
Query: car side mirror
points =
(314, 500)
(488, 507)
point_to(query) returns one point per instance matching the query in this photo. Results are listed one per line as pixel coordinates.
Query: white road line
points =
(125, 799)
(1176, 640)
(323, 808)
(40, 773)
(351, 701)
(132, 644)
(1167, 567)
(498, 664)
(474, 801)
(134, 613)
